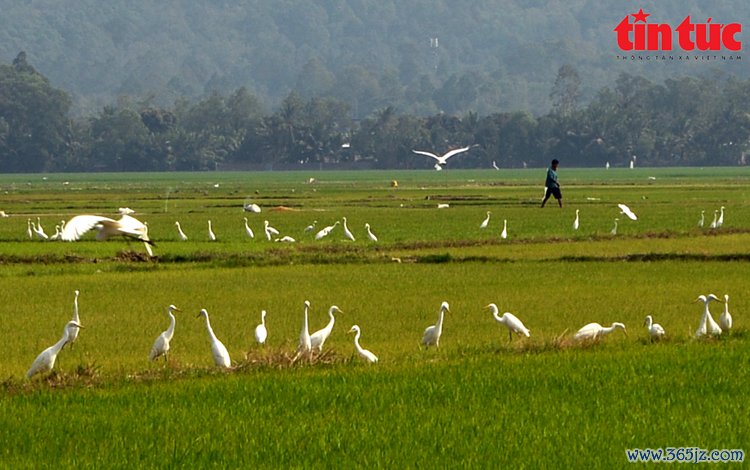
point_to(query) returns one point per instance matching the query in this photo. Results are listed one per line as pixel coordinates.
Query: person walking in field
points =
(553, 187)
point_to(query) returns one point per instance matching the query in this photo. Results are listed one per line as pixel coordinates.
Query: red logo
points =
(640, 35)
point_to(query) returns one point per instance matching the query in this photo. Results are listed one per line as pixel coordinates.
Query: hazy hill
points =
(490, 55)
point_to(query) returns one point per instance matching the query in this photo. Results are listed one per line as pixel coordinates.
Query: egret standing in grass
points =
(161, 345)
(218, 350)
(73, 334)
(248, 230)
(577, 222)
(305, 343)
(614, 229)
(725, 320)
(432, 333)
(595, 330)
(211, 234)
(261, 332)
(504, 233)
(370, 235)
(486, 221)
(702, 220)
(45, 361)
(720, 220)
(319, 338)
(511, 322)
(268, 230)
(655, 330)
(714, 222)
(363, 353)
(347, 233)
(311, 227)
(183, 237)
(325, 231)
(707, 325)
(29, 231)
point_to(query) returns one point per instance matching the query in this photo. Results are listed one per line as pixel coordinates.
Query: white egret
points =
(363, 353)
(183, 237)
(319, 338)
(305, 343)
(248, 230)
(494, 165)
(73, 335)
(125, 211)
(443, 206)
(614, 229)
(443, 159)
(702, 220)
(161, 345)
(311, 227)
(325, 231)
(56, 235)
(41, 229)
(29, 231)
(261, 332)
(254, 208)
(707, 324)
(437, 167)
(595, 330)
(285, 239)
(347, 233)
(218, 350)
(511, 322)
(626, 210)
(126, 226)
(211, 234)
(45, 361)
(504, 233)
(725, 320)
(719, 222)
(655, 330)
(713, 224)
(370, 235)
(606, 165)
(432, 333)
(486, 221)
(269, 231)
(39, 232)
(577, 222)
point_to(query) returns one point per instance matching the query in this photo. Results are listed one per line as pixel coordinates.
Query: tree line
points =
(680, 122)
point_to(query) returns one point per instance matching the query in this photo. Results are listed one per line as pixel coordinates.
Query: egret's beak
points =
(625, 331)
(199, 314)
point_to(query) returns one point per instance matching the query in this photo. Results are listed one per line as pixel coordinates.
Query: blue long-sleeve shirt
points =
(551, 179)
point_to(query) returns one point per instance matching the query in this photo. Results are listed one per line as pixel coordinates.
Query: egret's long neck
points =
(75, 310)
(170, 331)
(59, 345)
(305, 327)
(329, 326)
(356, 340)
(210, 330)
(440, 320)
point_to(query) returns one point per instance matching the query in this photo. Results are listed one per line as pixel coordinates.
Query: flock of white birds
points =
(312, 343)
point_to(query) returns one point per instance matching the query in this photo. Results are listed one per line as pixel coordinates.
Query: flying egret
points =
(655, 330)
(443, 159)
(595, 331)
(45, 361)
(161, 345)
(707, 324)
(702, 220)
(261, 332)
(432, 333)
(347, 233)
(486, 221)
(626, 210)
(719, 222)
(73, 335)
(305, 343)
(715, 221)
(577, 222)
(183, 237)
(614, 229)
(370, 235)
(269, 231)
(325, 231)
(725, 320)
(248, 230)
(211, 234)
(319, 338)
(311, 227)
(504, 233)
(511, 322)
(363, 353)
(126, 226)
(218, 350)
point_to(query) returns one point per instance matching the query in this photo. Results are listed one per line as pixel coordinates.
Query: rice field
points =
(478, 400)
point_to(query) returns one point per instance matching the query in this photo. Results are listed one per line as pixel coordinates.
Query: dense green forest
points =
(420, 57)
(683, 121)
